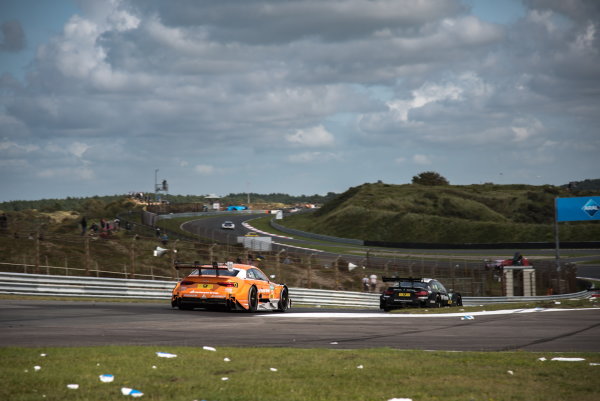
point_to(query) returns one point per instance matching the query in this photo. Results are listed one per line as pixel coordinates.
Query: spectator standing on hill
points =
(83, 223)
(373, 279)
(3, 222)
(365, 283)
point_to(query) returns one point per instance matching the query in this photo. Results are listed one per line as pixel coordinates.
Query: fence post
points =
(336, 265)
(37, 252)
(87, 255)
(132, 257)
(278, 265)
(173, 259)
(309, 271)
(211, 252)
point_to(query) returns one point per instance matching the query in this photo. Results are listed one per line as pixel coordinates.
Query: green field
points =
(277, 374)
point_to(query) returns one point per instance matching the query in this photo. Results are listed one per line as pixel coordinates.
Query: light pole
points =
(155, 183)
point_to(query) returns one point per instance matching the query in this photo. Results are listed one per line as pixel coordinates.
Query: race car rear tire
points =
(252, 299)
(458, 301)
(284, 300)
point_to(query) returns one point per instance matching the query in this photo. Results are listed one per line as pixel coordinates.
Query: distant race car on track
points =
(231, 286)
(420, 292)
(228, 225)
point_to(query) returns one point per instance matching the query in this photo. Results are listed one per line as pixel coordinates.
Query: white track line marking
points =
(328, 315)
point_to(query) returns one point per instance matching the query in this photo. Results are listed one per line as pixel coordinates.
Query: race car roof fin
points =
(388, 279)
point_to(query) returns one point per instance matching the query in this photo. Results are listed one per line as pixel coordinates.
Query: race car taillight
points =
(389, 292)
(421, 293)
(227, 284)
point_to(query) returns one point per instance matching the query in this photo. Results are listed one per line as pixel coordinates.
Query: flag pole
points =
(556, 239)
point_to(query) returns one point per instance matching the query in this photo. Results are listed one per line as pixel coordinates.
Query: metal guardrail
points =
(78, 286)
(470, 301)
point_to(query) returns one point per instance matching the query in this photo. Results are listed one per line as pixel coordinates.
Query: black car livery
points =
(419, 292)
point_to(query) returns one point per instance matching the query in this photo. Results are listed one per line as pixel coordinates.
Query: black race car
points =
(419, 292)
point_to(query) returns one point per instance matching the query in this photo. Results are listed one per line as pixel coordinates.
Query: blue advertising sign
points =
(578, 209)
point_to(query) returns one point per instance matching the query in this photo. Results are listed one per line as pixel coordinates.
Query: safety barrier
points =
(77, 286)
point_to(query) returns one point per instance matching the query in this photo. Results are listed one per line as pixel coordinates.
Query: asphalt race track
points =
(38, 323)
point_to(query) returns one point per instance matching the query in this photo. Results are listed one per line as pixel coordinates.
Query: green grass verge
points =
(301, 374)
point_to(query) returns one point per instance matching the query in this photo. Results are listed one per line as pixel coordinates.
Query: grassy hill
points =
(451, 214)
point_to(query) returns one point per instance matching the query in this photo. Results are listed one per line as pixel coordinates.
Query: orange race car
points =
(232, 286)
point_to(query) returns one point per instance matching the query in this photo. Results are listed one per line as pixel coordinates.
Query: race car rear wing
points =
(410, 279)
(197, 265)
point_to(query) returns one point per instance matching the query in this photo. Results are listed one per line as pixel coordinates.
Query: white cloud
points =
(14, 147)
(421, 159)
(78, 149)
(524, 129)
(204, 169)
(66, 173)
(313, 157)
(312, 137)
(467, 86)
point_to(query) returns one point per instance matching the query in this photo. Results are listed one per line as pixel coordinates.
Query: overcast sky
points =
(299, 97)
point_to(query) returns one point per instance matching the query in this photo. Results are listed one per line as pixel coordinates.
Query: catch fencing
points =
(127, 252)
(99, 287)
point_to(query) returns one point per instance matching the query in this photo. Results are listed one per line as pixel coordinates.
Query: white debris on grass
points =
(206, 348)
(273, 369)
(227, 359)
(224, 378)
(510, 372)
(73, 386)
(131, 392)
(542, 359)
(36, 368)
(562, 359)
(42, 355)
(556, 302)
(166, 355)
(153, 366)
(594, 364)
(359, 367)
(106, 378)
